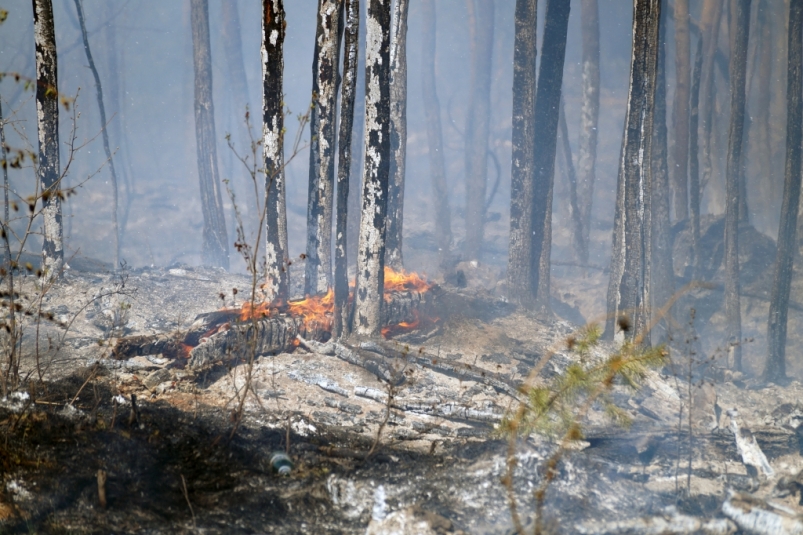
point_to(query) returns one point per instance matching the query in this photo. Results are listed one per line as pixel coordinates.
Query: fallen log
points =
(752, 456)
(756, 516)
(444, 409)
(671, 524)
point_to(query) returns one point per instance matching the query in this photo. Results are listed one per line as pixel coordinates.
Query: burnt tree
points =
(523, 165)
(694, 157)
(709, 28)
(348, 91)
(738, 68)
(318, 276)
(629, 285)
(47, 113)
(371, 248)
(273, 31)
(215, 249)
(432, 111)
(232, 46)
(478, 126)
(398, 135)
(547, 113)
(680, 111)
(775, 367)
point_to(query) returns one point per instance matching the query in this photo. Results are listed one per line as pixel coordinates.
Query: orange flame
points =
(401, 281)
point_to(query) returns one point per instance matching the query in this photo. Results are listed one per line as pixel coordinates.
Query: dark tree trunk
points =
(523, 165)
(709, 26)
(371, 250)
(547, 108)
(629, 286)
(576, 215)
(587, 156)
(232, 46)
(273, 31)
(350, 62)
(775, 368)
(764, 79)
(478, 127)
(215, 251)
(398, 135)
(318, 277)
(694, 157)
(432, 111)
(738, 68)
(357, 146)
(680, 110)
(104, 131)
(47, 112)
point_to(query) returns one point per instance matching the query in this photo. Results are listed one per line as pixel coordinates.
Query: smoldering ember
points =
(392, 267)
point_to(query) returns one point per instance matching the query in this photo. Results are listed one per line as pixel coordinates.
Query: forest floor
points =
(188, 463)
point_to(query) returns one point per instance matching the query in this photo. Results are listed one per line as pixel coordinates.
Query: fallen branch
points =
(753, 458)
(758, 517)
(445, 409)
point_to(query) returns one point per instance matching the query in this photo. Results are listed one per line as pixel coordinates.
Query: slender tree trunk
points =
(775, 368)
(350, 62)
(318, 277)
(709, 26)
(576, 215)
(680, 110)
(371, 252)
(273, 31)
(215, 251)
(629, 286)
(547, 108)
(694, 157)
(432, 111)
(764, 79)
(738, 68)
(232, 46)
(398, 134)
(47, 112)
(523, 164)
(104, 131)
(478, 127)
(587, 156)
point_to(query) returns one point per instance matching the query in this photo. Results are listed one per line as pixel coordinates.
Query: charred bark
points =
(709, 28)
(347, 97)
(371, 249)
(738, 68)
(273, 32)
(547, 107)
(587, 155)
(47, 113)
(629, 286)
(398, 135)
(523, 165)
(478, 127)
(432, 110)
(775, 367)
(318, 276)
(694, 157)
(680, 111)
(215, 250)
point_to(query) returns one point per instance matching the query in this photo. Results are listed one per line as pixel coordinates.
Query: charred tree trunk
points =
(523, 165)
(318, 276)
(398, 135)
(680, 111)
(478, 127)
(629, 286)
(104, 131)
(349, 89)
(587, 155)
(47, 113)
(709, 26)
(694, 157)
(277, 277)
(764, 79)
(775, 368)
(574, 208)
(371, 250)
(215, 250)
(357, 149)
(233, 49)
(432, 110)
(738, 68)
(547, 108)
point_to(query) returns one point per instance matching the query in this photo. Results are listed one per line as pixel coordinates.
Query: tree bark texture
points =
(104, 130)
(351, 49)
(523, 153)
(587, 154)
(276, 255)
(680, 111)
(215, 250)
(47, 115)
(357, 149)
(775, 368)
(478, 122)
(320, 203)
(398, 135)
(738, 68)
(694, 157)
(432, 111)
(547, 113)
(709, 27)
(629, 286)
(371, 249)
